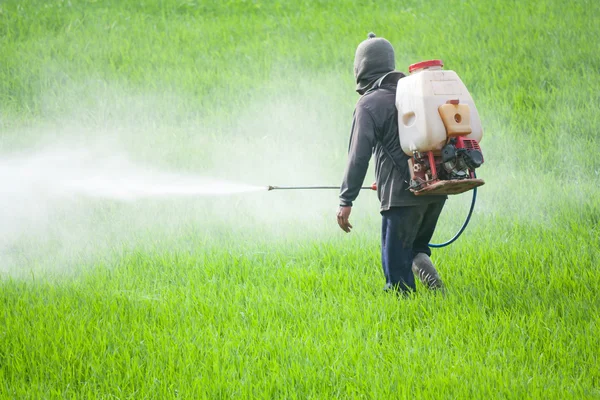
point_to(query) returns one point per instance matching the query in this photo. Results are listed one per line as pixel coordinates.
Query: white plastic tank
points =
(418, 97)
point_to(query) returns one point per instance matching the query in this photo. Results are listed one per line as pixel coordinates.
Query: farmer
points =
(408, 221)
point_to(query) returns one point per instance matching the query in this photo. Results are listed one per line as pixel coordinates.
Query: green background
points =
(261, 295)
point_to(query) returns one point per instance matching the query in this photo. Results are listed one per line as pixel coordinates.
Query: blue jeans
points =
(406, 231)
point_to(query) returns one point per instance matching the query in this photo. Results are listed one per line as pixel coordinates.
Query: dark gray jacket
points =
(375, 126)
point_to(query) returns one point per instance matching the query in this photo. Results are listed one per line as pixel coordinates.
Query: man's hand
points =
(342, 217)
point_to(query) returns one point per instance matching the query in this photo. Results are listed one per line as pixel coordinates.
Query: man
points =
(408, 221)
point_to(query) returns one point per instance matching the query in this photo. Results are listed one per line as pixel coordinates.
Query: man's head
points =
(374, 57)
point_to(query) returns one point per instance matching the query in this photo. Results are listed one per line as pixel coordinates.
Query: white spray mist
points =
(129, 172)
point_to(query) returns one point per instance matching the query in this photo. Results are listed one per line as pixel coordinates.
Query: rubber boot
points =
(423, 269)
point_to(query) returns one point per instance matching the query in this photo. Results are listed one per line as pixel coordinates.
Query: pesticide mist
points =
(67, 203)
(99, 182)
(54, 174)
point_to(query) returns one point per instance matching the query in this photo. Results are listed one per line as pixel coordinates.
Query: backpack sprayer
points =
(439, 130)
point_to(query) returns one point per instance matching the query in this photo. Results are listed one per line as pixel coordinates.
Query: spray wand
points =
(372, 187)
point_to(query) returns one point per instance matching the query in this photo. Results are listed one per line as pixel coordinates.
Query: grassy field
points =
(261, 295)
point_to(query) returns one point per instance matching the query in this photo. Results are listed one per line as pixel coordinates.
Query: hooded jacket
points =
(375, 131)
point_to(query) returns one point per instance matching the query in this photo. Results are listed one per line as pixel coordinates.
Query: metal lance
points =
(372, 187)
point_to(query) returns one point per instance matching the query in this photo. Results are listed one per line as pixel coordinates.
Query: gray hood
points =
(374, 57)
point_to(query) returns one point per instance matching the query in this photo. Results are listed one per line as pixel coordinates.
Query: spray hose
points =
(462, 228)
(374, 187)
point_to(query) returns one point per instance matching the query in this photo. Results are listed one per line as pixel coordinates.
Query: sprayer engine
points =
(452, 171)
(458, 161)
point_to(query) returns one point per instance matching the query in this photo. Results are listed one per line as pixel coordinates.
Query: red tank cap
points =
(425, 64)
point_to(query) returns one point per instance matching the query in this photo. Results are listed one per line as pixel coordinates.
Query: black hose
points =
(464, 226)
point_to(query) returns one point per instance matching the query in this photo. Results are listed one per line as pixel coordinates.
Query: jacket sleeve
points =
(362, 141)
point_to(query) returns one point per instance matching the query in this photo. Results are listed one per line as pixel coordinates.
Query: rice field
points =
(261, 295)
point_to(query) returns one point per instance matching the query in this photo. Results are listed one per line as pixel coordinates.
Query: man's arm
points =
(362, 141)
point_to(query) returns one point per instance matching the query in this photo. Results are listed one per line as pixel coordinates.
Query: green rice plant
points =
(261, 295)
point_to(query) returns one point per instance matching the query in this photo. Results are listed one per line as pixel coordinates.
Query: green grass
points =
(262, 296)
